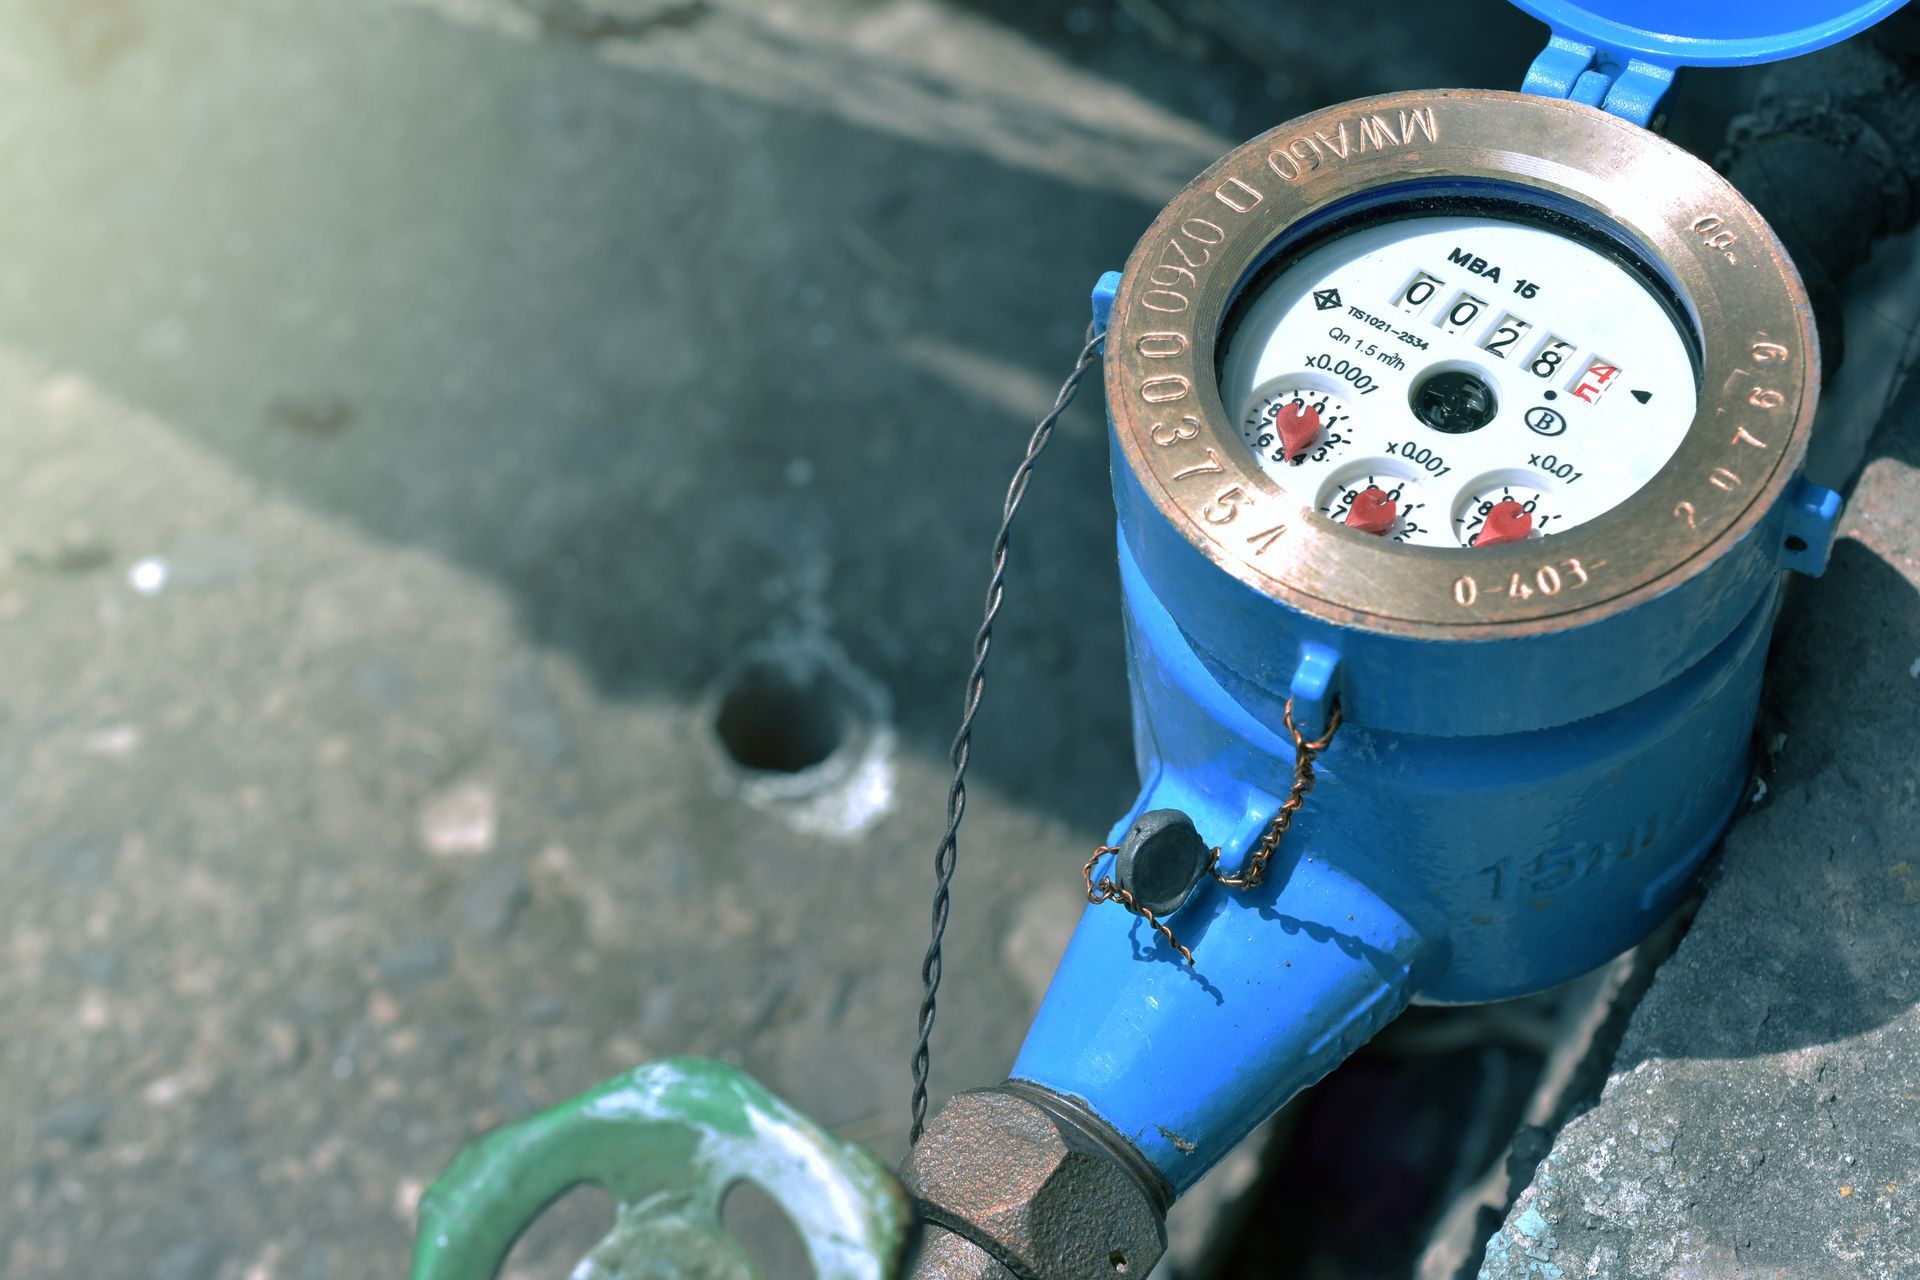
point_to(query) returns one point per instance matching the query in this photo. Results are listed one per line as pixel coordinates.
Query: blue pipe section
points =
(1185, 1061)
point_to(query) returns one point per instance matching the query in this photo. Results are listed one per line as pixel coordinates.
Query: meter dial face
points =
(1511, 380)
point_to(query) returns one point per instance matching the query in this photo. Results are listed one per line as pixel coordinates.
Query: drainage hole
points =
(1796, 544)
(1118, 1261)
(781, 718)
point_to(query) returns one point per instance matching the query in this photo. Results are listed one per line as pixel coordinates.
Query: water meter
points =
(1457, 443)
(1456, 450)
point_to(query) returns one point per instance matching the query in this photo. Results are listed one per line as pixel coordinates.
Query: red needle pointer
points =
(1299, 428)
(1507, 522)
(1372, 511)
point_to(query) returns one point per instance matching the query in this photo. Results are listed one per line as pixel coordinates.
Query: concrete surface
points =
(409, 415)
(1762, 1121)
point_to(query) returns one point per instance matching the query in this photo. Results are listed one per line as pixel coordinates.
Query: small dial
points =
(1296, 424)
(1375, 500)
(1497, 511)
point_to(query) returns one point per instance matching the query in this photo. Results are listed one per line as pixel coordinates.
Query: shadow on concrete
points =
(682, 344)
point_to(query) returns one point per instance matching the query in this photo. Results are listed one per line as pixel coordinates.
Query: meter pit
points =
(1449, 380)
(779, 715)
(796, 729)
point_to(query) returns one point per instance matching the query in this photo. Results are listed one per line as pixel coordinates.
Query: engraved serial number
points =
(1375, 131)
(1547, 580)
(1729, 475)
(1712, 230)
(1182, 256)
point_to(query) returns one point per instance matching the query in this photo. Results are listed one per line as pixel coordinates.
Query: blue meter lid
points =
(1621, 54)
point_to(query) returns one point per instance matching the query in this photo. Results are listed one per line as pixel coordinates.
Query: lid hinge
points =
(1628, 87)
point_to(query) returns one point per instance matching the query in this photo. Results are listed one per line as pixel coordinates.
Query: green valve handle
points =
(667, 1141)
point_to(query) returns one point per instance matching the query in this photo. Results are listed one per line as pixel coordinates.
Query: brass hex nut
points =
(1046, 1198)
(942, 1255)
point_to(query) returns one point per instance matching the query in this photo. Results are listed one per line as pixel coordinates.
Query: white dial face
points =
(1459, 381)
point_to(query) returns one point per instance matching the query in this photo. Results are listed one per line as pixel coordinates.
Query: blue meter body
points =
(1475, 419)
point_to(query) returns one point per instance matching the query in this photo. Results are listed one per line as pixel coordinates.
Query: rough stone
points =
(102, 967)
(223, 1165)
(492, 901)
(190, 1260)
(542, 1010)
(1761, 1119)
(415, 961)
(78, 1120)
(280, 1045)
(210, 559)
(80, 862)
(532, 716)
(460, 822)
(76, 549)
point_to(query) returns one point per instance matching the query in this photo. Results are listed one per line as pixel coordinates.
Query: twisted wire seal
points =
(1304, 752)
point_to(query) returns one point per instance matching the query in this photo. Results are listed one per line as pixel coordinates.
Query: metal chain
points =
(947, 855)
(1304, 753)
(1105, 890)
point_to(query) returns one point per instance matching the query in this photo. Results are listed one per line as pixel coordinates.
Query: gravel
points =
(78, 1120)
(415, 962)
(492, 901)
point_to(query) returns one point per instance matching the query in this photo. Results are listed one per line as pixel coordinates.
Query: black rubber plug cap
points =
(1162, 858)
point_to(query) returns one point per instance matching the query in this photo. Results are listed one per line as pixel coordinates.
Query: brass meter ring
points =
(1758, 362)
